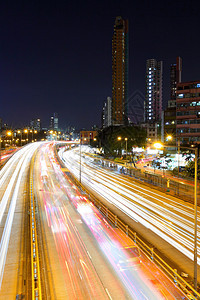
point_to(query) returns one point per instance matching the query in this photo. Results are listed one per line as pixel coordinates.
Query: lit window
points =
(180, 96)
(198, 85)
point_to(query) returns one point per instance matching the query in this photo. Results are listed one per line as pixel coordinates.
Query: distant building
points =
(51, 126)
(153, 95)
(87, 136)
(170, 112)
(120, 72)
(188, 112)
(153, 98)
(54, 122)
(35, 124)
(107, 113)
(175, 78)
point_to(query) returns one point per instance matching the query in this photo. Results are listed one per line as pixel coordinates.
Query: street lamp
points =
(126, 139)
(9, 133)
(26, 131)
(119, 139)
(169, 138)
(35, 131)
(20, 132)
(80, 160)
(195, 219)
(158, 145)
(0, 149)
(31, 131)
(195, 208)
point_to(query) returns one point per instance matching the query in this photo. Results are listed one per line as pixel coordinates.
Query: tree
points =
(189, 169)
(136, 136)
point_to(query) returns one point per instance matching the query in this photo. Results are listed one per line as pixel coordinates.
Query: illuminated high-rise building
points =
(106, 115)
(54, 122)
(35, 124)
(120, 72)
(153, 97)
(175, 78)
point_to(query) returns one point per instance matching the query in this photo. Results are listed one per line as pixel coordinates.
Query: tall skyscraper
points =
(175, 78)
(35, 124)
(120, 72)
(170, 111)
(54, 122)
(153, 95)
(188, 112)
(106, 115)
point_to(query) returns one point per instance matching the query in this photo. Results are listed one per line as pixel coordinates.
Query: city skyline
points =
(57, 59)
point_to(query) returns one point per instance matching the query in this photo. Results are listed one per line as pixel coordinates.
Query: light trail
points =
(23, 157)
(130, 267)
(165, 216)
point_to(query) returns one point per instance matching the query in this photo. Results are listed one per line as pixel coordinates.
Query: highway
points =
(85, 256)
(72, 268)
(81, 255)
(166, 217)
(13, 192)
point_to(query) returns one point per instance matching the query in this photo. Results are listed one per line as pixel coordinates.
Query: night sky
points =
(55, 56)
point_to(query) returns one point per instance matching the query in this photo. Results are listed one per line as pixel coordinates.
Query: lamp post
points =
(35, 131)
(119, 139)
(0, 150)
(20, 132)
(26, 131)
(195, 207)
(9, 133)
(126, 139)
(195, 219)
(31, 131)
(80, 161)
(158, 146)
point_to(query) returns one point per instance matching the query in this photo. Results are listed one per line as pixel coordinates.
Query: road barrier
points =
(149, 251)
(180, 189)
(35, 267)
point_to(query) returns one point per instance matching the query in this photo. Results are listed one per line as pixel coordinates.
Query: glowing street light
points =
(26, 131)
(126, 139)
(169, 138)
(158, 145)
(20, 132)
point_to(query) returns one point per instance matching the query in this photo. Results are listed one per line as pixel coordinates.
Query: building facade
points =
(87, 136)
(175, 78)
(170, 112)
(107, 113)
(188, 112)
(54, 122)
(120, 72)
(153, 95)
(35, 124)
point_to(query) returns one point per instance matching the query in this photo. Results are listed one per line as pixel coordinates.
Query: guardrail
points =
(35, 267)
(168, 185)
(149, 251)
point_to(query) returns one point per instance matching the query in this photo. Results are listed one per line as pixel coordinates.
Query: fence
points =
(148, 250)
(163, 182)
